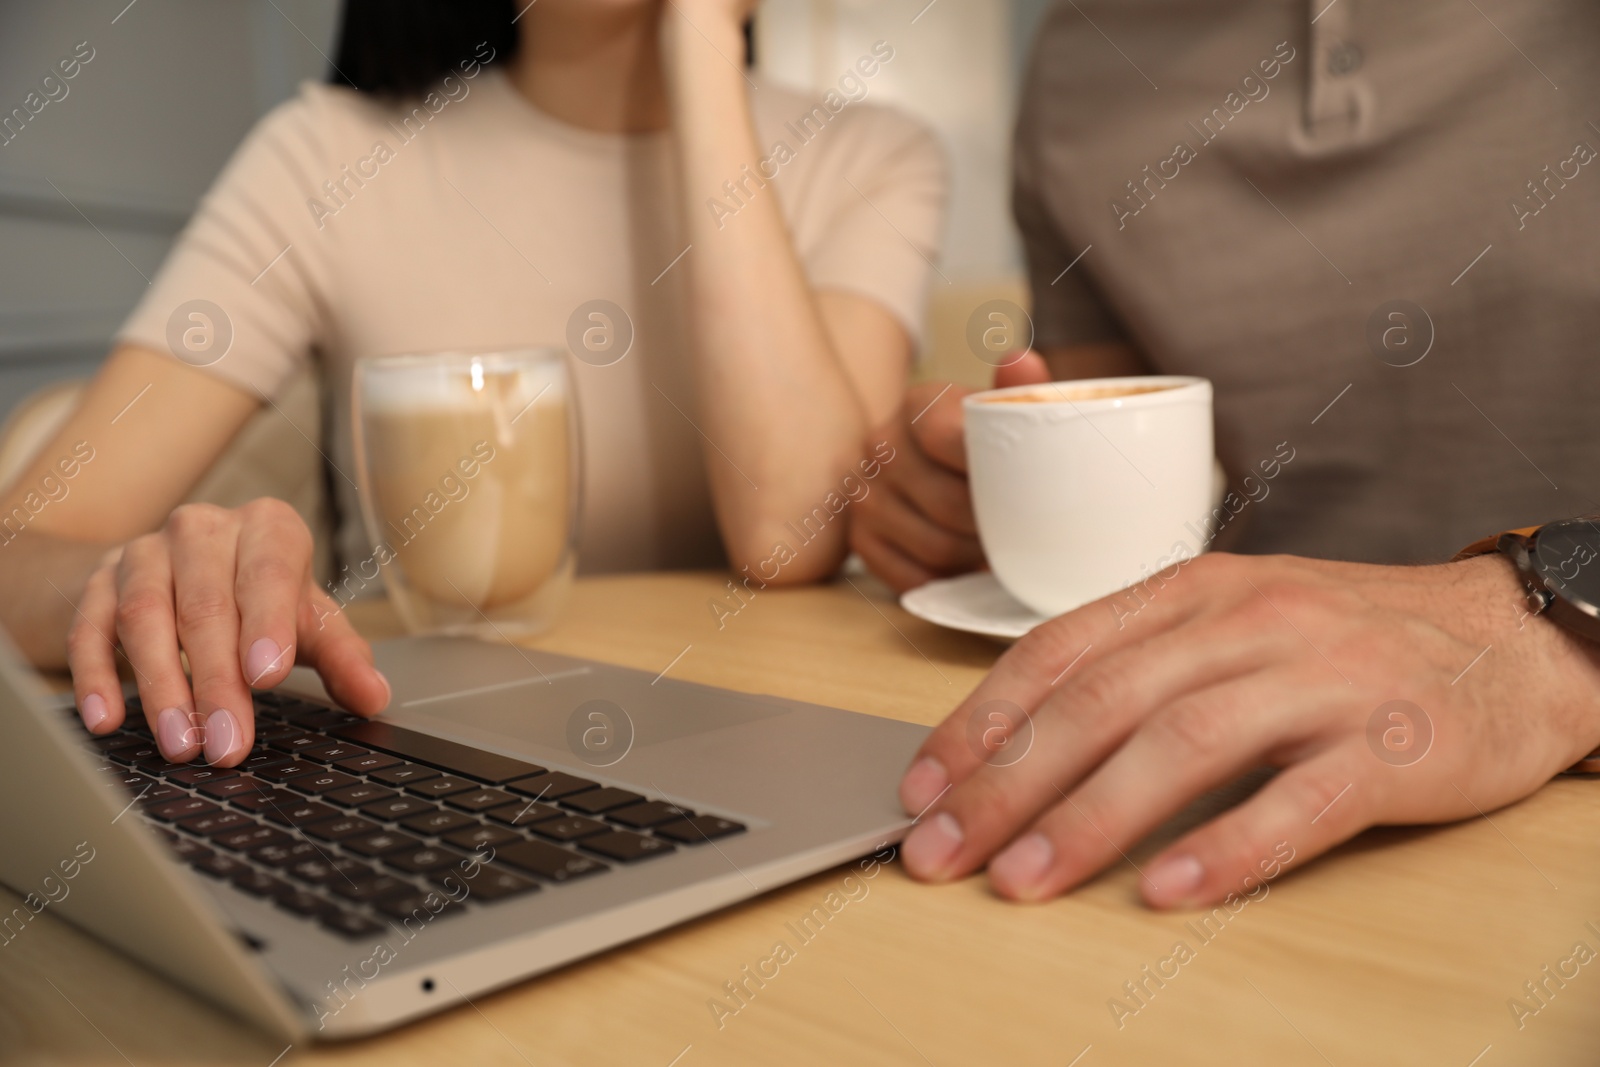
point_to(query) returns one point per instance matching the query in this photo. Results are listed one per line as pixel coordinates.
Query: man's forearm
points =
(41, 579)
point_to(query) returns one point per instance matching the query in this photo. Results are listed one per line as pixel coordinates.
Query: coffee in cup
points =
(1081, 488)
(469, 477)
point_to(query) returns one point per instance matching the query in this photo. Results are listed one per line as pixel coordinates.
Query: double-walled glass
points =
(469, 477)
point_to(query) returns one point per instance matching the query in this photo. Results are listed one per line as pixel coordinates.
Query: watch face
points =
(1567, 556)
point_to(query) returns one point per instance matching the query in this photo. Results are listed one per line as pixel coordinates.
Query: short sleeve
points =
(254, 262)
(883, 235)
(1067, 309)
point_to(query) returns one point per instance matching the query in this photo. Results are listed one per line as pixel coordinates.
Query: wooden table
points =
(1403, 948)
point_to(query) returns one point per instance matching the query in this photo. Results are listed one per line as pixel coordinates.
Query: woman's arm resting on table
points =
(790, 381)
(111, 560)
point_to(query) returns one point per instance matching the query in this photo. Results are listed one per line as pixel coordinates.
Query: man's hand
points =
(918, 524)
(1233, 663)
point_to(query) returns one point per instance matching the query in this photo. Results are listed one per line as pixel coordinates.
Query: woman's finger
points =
(270, 577)
(92, 654)
(893, 567)
(148, 631)
(933, 547)
(204, 542)
(343, 658)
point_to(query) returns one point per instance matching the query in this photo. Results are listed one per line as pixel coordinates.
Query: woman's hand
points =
(231, 589)
(1385, 695)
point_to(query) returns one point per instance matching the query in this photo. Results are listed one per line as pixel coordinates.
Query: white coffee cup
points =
(1084, 487)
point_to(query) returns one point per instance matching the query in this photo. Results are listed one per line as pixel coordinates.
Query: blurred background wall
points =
(95, 185)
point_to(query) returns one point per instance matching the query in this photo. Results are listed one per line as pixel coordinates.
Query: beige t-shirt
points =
(1301, 167)
(347, 226)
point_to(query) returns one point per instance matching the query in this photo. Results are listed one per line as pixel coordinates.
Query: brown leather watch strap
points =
(1483, 546)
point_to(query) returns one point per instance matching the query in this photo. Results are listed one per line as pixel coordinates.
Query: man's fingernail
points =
(1173, 881)
(923, 784)
(94, 711)
(1022, 866)
(930, 845)
(176, 734)
(222, 735)
(264, 657)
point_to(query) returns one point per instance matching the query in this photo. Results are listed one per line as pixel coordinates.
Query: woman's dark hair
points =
(403, 47)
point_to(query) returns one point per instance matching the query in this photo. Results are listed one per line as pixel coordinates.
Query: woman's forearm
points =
(41, 580)
(783, 417)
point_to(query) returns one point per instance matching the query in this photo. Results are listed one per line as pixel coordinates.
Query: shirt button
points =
(1344, 59)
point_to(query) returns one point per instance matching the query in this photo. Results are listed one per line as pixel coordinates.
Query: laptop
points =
(511, 812)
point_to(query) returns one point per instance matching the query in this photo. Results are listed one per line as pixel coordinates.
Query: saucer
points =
(974, 603)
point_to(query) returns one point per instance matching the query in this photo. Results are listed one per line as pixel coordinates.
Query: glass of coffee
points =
(469, 472)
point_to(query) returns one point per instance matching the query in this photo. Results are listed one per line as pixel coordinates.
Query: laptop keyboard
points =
(354, 823)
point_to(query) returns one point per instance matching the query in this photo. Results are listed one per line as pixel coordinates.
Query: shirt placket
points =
(1336, 106)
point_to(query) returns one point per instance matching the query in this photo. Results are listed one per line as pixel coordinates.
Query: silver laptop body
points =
(812, 786)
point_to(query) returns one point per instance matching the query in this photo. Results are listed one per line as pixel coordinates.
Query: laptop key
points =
(422, 860)
(570, 828)
(381, 843)
(220, 822)
(478, 835)
(594, 801)
(154, 793)
(547, 861)
(464, 760)
(364, 889)
(403, 774)
(260, 883)
(182, 808)
(325, 781)
(263, 758)
(297, 742)
(332, 752)
(439, 787)
(287, 770)
(302, 902)
(135, 753)
(700, 828)
(341, 828)
(435, 823)
(269, 731)
(302, 814)
(265, 800)
(353, 796)
(491, 883)
(196, 775)
(248, 838)
(551, 786)
(187, 848)
(317, 718)
(218, 865)
(283, 855)
(397, 808)
(237, 786)
(116, 742)
(650, 813)
(525, 813)
(627, 846)
(480, 799)
(351, 924)
(419, 905)
(372, 761)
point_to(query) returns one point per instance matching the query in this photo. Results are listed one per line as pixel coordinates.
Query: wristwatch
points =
(1559, 564)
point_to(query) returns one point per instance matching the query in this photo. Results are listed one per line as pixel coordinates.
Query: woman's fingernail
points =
(388, 693)
(928, 849)
(177, 734)
(263, 658)
(94, 711)
(924, 783)
(1173, 881)
(1022, 866)
(222, 735)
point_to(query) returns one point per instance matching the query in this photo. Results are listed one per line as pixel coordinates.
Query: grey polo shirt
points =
(1247, 190)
